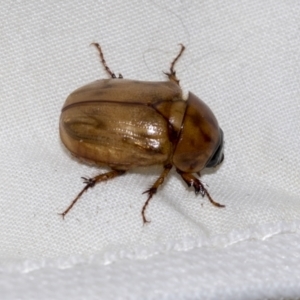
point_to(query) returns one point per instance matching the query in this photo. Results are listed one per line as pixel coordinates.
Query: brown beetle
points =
(127, 123)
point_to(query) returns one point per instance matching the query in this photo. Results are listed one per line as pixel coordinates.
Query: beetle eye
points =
(218, 156)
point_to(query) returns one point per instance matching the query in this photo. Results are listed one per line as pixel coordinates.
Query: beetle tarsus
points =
(89, 183)
(176, 58)
(152, 190)
(172, 74)
(107, 69)
(191, 180)
(212, 200)
(63, 214)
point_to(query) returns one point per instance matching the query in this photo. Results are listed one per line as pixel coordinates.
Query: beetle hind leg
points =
(90, 182)
(153, 189)
(191, 180)
(172, 74)
(107, 69)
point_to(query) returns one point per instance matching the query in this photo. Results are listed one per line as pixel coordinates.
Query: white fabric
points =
(243, 60)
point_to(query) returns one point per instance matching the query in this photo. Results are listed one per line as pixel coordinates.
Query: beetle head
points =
(218, 156)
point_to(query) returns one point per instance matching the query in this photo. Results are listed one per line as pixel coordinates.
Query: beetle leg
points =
(154, 188)
(90, 182)
(172, 74)
(191, 180)
(107, 69)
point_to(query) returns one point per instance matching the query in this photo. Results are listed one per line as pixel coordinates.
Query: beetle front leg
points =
(154, 188)
(90, 182)
(107, 69)
(191, 180)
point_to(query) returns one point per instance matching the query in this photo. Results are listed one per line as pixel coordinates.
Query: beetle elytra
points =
(125, 124)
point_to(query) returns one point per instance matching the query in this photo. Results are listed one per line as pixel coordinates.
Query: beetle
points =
(125, 124)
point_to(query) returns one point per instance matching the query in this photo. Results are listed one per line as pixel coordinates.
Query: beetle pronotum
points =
(128, 123)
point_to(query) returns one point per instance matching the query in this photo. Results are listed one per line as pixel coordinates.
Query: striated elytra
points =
(125, 124)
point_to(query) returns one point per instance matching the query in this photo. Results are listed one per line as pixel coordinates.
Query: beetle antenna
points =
(172, 74)
(107, 69)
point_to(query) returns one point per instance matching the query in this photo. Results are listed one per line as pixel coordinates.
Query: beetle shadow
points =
(209, 171)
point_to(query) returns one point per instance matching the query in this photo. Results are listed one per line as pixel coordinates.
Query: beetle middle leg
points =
(154, 188)
(191, 180)
(172, 74)
(90, 182)
(107, 69)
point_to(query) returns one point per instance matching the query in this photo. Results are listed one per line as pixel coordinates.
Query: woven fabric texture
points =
(243, 59)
